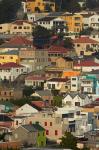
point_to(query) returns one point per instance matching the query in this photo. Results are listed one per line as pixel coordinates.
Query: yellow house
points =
(10, 56)
(5, 28)
(39, 5)
(74, 22)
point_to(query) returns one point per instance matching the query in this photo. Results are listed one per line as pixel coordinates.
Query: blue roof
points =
(11, 52)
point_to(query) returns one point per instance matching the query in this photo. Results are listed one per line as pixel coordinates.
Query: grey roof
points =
(46, 18)
(44, 93)
(29, 128)
(55, 14)
(33, 127)
(83, 96)
(11, 52)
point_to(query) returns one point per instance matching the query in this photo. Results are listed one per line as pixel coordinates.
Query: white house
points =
(52, 22)
(61, 84)
(94, 21)
(75, 99)
(10, 71)
(26, 110)
(35, 16)
(75, 83)
(86, 65)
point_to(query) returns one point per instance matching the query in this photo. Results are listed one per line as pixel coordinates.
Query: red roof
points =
(19, 40)
(32, 77)
(84, 40)
(58, 80)
(20, 22)
(57, 49)
(10, 65)
(97, 99)
(86, 63)
(39, 104)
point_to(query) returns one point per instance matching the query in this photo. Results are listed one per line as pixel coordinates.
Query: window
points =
(15, 27)
(78, 45)
(11, 57)
(45, 123)
(73, 78)
(73, 85)
(17, 122)
(50, 123)
(19, 27)
(77, 103)
(47, 132)
(56, 132)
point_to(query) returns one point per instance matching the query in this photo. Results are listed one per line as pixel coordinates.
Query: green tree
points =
(57, 101)
(41, 36)
(8, 10)
(68, 5)
(68, 141)
(68, 43)
(27, 91)
(86, 31)
(48, 8)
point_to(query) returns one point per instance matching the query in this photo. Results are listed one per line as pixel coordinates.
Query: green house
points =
(41, 138)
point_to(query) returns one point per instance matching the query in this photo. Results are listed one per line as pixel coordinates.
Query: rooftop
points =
(10, 65)
(86, 63)
(57, 49)
(84, 40)
(58, 80)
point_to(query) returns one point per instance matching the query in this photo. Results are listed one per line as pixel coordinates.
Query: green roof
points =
(38, 127)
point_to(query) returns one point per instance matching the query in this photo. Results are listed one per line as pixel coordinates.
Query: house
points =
(8, 93)
(18, 121)
(18, 27)
(85, 45)
(15, 43)
(86, 65)
(53, 73)
(64, 63)
(35, 80)
(39, 5)
(5, 121)
(29, 134)
(94, 21)
(10, 71)
(34, 59)
(75, 83)
(59, 84)
(32, 17)
(21, 27)
(95, 35)
(57, 51)
(58, 122)
(26, 110)
(75, 99)
(74, 22)
(9, 56)
(56, 23)
(45, 95)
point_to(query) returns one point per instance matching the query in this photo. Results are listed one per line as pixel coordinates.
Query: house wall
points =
(31, 5)
(22, 135)
(9, 58)
(74, 22)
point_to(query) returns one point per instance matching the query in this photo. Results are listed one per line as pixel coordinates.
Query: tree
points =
(41, 36)
(27, 91)
(68, 5)
(57, 101)
(68, 43)
(91, 4)
(8, 10)
(68, 141)
(48, 8)
(37, 9)
(86, 31)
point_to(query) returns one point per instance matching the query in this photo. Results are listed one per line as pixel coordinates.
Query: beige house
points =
(34, 59)
(19, 27)
(52, 123)
(85, 46)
